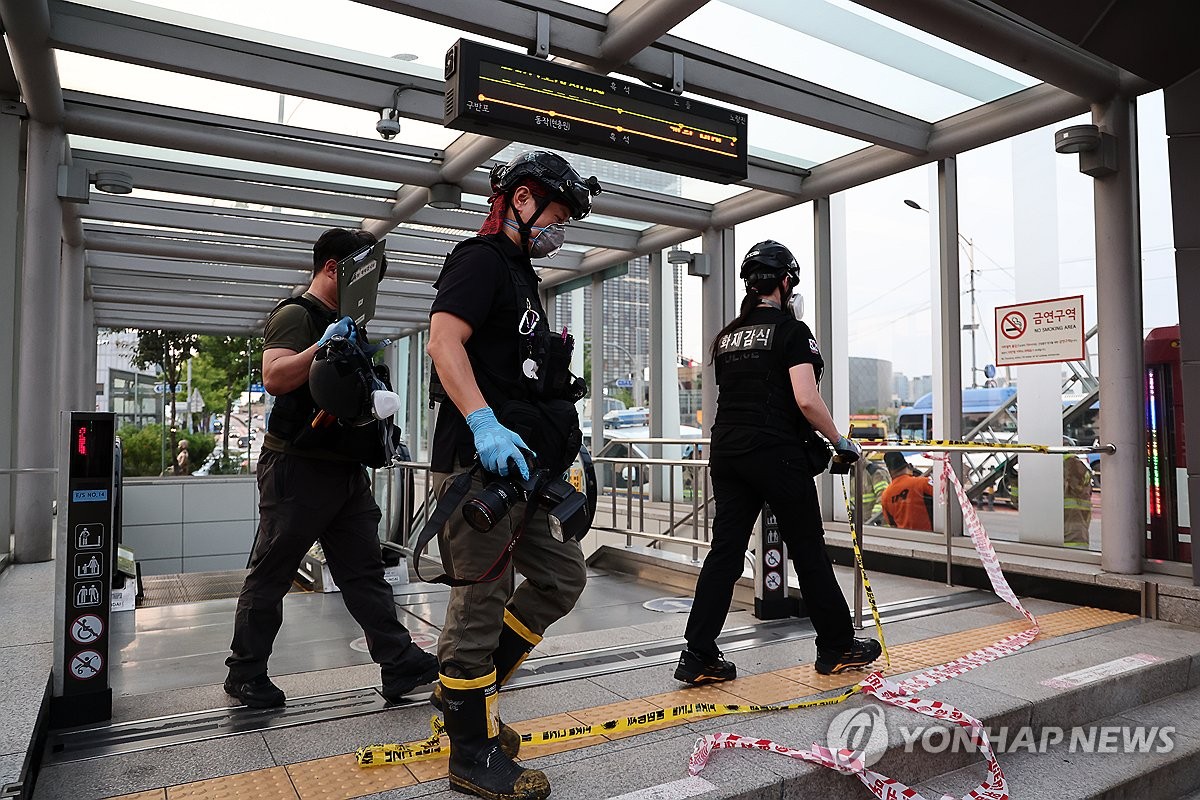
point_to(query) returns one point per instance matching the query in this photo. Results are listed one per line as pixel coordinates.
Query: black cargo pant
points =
(741, 484)
(301, 501)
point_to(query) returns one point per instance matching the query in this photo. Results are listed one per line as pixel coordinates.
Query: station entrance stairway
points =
(174, 734)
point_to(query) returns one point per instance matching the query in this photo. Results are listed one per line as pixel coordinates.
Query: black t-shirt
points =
(476, 285)
(794, 344)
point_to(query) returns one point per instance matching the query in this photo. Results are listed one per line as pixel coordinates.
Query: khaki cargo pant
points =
(554, 571)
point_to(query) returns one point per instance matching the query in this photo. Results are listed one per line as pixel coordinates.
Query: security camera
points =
(389, 124)
(1077, 139)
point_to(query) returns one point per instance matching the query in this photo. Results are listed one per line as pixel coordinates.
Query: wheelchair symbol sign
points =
(86, 664)
(87, 629)
(772, 557)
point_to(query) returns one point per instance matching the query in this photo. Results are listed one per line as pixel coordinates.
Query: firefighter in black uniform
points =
(313, 487)
(767, 368)
(489, 341)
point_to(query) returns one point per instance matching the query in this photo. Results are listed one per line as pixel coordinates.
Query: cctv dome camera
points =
(388, 126)
(1077, 139)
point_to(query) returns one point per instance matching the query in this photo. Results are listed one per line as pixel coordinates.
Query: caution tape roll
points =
(901, 694)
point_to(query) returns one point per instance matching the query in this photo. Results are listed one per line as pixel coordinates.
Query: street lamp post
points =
(974, 326)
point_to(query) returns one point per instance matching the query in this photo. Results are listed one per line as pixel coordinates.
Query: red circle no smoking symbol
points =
(1013, 325)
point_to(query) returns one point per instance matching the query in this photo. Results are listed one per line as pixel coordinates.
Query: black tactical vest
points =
(294, 411)
(755, 390)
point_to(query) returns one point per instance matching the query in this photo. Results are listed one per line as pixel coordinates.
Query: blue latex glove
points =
(344, 327)
(496, 444)
(848, 450)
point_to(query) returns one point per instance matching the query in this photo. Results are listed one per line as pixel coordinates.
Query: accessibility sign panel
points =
(1041, 332)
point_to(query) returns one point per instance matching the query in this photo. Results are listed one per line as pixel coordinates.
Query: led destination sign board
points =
(506, 94)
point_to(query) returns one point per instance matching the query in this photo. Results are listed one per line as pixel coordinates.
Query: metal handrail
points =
(27, 470)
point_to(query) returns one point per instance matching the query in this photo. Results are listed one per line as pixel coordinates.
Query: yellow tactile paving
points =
(339, 778)
(261, 784)
(434, 770)
(764, 689)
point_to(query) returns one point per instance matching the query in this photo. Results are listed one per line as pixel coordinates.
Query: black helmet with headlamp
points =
(563, 184)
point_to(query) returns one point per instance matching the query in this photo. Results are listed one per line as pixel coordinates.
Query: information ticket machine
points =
(84, 570)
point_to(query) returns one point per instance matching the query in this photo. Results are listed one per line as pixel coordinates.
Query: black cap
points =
(895, 461)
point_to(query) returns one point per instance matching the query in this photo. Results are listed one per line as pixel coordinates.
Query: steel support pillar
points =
(37, 366)
(664, 373)
(1183, 127)
(87, 373)
(719, 304)
(823, 281)
(597, 337)
(70, 327)
(947, 367)
(1119, 310)
(10, 198)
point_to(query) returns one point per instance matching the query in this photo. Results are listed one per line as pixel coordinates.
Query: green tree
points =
(169, 351)
(222, 370)
(141, 449)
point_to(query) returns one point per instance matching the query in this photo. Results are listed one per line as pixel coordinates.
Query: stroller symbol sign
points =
(86, 664)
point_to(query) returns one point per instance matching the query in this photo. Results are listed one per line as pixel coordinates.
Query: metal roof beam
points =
(119, 317)
(578, 33)
(399, 271)
(27, 30)
(634, 25)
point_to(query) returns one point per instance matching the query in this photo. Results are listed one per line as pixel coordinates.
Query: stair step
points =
(1169, 768)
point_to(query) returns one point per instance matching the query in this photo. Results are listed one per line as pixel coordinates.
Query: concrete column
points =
(947, 359)
(1039, 386)
(70, 328)
(664, 373)
(37, 365)
(418, 400)
(597, 387)
(1119, 311)
(577, 331)
(10, 199)
(720, 299)
(1182, 102)
(88, 357)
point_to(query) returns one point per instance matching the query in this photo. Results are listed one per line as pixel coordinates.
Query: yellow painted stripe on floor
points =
(340, 777)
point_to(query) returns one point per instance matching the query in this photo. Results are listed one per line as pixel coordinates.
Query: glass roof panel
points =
(145, 84)
(838, 44)
(364, 33)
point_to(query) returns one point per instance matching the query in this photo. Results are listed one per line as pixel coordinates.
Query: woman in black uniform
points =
(767, 367)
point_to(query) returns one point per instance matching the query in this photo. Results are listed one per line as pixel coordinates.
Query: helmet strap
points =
(525, 229)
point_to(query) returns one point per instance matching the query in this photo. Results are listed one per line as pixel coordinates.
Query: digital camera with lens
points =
(565, 507)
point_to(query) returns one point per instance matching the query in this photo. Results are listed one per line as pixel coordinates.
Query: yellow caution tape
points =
(858, 560)
(380, 755)
(953, 444)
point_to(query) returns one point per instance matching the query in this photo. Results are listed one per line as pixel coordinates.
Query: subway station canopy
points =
(247, 128)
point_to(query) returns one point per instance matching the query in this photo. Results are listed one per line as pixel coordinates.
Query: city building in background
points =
(871, 386)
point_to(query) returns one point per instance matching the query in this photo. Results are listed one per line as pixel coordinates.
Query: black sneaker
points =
(422, 669)
(256, 693)
(860, 653)
(696, 669)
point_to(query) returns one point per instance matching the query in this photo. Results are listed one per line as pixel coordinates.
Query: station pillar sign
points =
(771, 600)
(84, 559)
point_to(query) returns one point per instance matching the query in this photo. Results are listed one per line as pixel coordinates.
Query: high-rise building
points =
(870, 385)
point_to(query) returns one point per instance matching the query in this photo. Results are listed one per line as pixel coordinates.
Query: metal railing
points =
(635, 473)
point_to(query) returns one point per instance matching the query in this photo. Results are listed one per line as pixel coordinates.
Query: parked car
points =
(629, 475)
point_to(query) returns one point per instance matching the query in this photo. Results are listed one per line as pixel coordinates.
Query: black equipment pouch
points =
(549, 427)
(814, 454)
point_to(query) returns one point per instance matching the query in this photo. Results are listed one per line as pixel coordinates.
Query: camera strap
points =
(451, 500)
